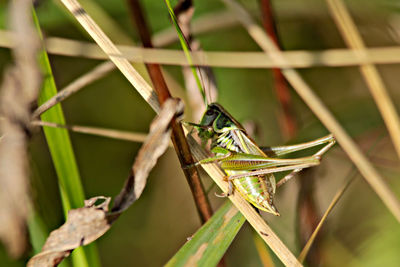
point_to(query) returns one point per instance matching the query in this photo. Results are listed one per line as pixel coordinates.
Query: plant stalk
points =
(178, 137)
(307, 214)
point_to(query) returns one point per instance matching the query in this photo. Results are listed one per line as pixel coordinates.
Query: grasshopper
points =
(249, 168)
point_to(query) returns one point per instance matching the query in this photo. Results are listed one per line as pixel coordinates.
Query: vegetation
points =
(337, 74)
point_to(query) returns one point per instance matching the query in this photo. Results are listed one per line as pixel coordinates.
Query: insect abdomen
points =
(258, 190)
(255, 190)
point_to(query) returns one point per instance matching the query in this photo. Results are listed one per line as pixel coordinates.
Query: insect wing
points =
(248, 145)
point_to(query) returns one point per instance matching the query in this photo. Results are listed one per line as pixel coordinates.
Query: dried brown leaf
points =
(155, 145)
(84, 225)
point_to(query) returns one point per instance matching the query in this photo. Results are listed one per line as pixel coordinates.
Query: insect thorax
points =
(226, 140)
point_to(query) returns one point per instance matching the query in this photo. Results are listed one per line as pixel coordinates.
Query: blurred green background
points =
(359, 232)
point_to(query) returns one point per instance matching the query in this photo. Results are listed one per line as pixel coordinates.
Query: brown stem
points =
(307, 211)
(288, 123)
(178, 136)
(184, 10)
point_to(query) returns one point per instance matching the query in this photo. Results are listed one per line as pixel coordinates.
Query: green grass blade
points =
(62, 154)
(37, 231)
(186, 50)
(211, 241)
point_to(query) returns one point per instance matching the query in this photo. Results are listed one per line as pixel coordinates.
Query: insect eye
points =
(210, 112)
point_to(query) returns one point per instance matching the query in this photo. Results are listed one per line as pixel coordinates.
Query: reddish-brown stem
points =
(288, 123)
(178, 137)
(184, 10)
(307, 212)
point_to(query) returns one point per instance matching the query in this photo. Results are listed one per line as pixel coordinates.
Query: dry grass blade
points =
(97, 73)
(338, 195)
(258, 223)
(113, 53)
(110, 133)
(319, 109)
(20, 88)
(371, 75)
(84, 225)
(105, 21)
(293, 59)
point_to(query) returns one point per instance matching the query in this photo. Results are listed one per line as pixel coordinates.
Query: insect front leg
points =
(230, 190)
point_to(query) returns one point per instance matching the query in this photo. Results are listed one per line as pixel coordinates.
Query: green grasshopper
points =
(249, 168)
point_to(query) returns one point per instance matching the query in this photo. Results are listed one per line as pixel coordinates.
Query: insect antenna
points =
(187, 51)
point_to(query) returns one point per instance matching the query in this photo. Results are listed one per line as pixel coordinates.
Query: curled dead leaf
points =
(154, 146)
(84, 225)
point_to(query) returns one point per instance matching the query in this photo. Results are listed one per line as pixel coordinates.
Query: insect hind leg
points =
(318, 154)
(283, 150)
